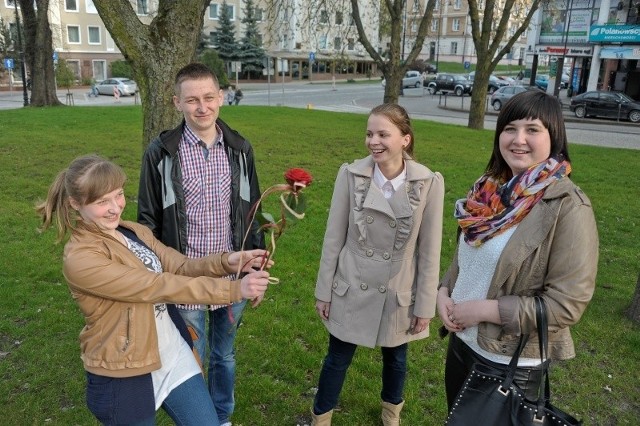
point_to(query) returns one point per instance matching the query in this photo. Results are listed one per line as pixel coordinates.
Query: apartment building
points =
(449, 38)
(292, 38)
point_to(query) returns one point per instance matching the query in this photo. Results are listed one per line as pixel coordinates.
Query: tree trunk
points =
(634, 310)
(156, 52)
(38, 46)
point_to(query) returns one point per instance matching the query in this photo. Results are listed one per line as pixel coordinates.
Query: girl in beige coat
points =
(378, 274)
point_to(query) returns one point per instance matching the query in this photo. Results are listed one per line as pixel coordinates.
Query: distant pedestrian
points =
(238, 96)
(230, 96)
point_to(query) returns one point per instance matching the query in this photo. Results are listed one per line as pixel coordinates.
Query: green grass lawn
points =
(281, 344)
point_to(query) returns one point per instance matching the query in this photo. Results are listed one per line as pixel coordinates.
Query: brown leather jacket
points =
(552, 253)
(116, 293)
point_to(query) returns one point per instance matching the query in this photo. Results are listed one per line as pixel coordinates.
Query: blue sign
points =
(312, 56)
(8, 63)
(55, 56)
(614, 33)
(467, 65)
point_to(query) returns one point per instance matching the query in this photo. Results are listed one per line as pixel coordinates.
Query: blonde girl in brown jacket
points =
(136, 351)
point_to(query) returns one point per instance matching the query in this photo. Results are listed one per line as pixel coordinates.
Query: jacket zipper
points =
(127, 340)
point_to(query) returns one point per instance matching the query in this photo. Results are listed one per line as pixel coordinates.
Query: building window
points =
(99, 69)
(259, 14)
(213, 38)
(90, 7)
(73, 34)
(322, 42)
(457, 5)
(414, 27)
(434, 25)
(324, 17)
(259, 39)
(94, 35)
(455, 24)
(215, 9)
(416, 7)
(285, 42)
(74, 66)
(351, 44)
(337, 43)
(142, 7)
(71, 5)
(338, 18)
(454, 47)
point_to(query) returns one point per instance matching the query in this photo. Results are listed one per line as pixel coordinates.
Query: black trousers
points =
(460, 358)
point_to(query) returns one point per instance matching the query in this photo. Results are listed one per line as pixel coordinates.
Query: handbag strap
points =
(544, 391)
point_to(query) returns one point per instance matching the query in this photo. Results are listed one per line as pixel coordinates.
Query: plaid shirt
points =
(206, 178)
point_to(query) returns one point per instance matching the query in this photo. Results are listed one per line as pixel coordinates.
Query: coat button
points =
(382, 289)
(364, 286)
(392, 223)
(386, 256)
(369, 219)
(335, 284)
(369, 252)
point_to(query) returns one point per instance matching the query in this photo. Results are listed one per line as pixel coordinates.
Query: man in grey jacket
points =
(197, 185)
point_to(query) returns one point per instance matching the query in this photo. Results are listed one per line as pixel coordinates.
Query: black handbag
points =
(490, 396)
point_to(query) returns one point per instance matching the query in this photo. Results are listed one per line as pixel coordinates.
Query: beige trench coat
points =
(381, 258)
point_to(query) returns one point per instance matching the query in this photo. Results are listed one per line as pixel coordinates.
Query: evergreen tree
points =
(251, 51)
(226, 43)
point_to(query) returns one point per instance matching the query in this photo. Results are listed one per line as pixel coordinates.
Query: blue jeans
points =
(334, 371)
(222, 356)
(129, 401)
(190, 405)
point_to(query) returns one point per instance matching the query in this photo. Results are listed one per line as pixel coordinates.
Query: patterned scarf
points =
(491, 208)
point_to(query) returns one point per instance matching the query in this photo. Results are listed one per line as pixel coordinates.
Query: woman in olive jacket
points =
(134, 348)
(526, 230)
(378, 275)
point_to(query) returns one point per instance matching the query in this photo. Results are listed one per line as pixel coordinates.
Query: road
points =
(360, 98)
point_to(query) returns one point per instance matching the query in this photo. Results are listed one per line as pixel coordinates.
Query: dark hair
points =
(194, 71)
(532, 104)
(400, 118)
(85, 180)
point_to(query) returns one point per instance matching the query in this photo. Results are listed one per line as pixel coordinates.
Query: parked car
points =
(494, 82)
(605, 104)
(504, 93)
(411, 79)
(542, 81)
(124, 86)
(510, 81)
(445, 83)
(431, 69)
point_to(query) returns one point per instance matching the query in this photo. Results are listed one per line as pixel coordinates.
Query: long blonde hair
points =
(85, 180)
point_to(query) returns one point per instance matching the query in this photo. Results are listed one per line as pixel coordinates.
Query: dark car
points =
(505, 93)
(445, 83)
(605, 104)
(431, 69)
(494, 82)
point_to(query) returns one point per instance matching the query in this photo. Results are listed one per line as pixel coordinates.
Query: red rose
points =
(298, 177)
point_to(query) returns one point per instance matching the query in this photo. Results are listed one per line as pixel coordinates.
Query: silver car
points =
(124, 86)
(411, 79)
(504, 93)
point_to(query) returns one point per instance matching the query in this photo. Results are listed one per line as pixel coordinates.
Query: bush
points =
(210, 58)
(65, 76)
(121, 69)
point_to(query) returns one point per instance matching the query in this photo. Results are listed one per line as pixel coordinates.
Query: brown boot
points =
(321, 419)
(391, 413)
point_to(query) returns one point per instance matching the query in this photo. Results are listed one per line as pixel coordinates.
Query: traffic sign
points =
(467, 65)
(312, 56)
(8, 63)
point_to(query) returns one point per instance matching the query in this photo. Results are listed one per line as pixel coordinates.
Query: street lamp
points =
(23, 68)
